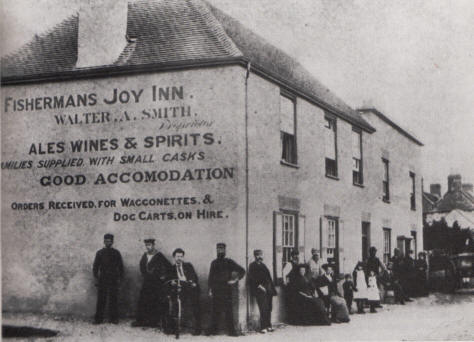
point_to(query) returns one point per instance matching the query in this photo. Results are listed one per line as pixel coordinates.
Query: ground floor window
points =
(387, 244)
(288, 235)
(414, 247)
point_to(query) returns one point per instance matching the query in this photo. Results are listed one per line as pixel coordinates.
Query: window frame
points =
(333, 126)
(387, 256)
(386, 183)
(413, 189)
(360, 172)
(293, 158)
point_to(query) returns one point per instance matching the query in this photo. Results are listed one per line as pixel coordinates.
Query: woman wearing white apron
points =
(360, 293)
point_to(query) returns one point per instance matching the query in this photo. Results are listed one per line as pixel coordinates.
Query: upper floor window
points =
(386, 180)
(288, 130)
(330, 137)
(357, 177)
(412, 194)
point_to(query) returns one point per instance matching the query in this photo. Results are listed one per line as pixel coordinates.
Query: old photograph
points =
(254, 170)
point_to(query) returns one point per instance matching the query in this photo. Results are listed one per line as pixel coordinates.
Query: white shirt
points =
(181, 275)
(286, 270)
(149, 256)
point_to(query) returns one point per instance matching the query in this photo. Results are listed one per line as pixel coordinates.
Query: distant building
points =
(456, 205)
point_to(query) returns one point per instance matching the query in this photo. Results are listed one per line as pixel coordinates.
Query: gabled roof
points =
(384, 118)
(457, 199)
(430, 197)
(167, 33)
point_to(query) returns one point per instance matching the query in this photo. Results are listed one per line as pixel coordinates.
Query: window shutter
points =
(341, 246)
(302, 236)
(323, 238)
(356, 145)
(278, 248)
(287, 115)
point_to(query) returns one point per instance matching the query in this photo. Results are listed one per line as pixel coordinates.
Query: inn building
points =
(303, 169)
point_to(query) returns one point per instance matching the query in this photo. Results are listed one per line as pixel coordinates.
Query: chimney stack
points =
(435, 189)
(467, 187)
(102, 32)
(454, 183)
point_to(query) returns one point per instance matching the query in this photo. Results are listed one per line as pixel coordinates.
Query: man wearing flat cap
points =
(154, 268)
(223, 276)
(262, 288)
(108, 271)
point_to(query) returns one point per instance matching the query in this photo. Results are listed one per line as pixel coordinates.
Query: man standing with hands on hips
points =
(262, 288)
(224, 273)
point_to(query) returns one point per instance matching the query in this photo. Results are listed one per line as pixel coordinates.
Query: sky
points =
(411, 59)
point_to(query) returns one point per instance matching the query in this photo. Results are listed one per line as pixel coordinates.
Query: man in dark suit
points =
(108, 271)
(184, 271)
(154, 268)
(262, 288)
(223, 275)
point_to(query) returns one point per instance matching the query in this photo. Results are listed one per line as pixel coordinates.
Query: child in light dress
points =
(373, 295)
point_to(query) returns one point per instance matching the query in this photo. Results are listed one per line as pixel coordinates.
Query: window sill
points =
(359, 185)
(332, 177)
(283, 162)
(413, 209)
(386, 200)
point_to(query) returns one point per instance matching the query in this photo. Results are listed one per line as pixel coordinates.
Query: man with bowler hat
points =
(154, 268)
(108, 271)
(262, 288)
(224, 273)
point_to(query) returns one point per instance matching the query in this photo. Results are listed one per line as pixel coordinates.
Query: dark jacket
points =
(155, 271)
(260, 275)
(188, 271)
(348, 288)
(373, 264)
(108, 266)
(324, 281)
(221, 272)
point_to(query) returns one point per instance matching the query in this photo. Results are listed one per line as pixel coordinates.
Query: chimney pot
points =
(435, 189)
(454, 183)
(102, 32)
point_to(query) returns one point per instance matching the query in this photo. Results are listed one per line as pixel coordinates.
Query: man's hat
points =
(220, 245)
(257, 252)
(149, 241)
(314, 251)
(108, 236)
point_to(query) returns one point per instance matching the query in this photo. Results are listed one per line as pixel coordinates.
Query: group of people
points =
(160, 278)
(312, 294)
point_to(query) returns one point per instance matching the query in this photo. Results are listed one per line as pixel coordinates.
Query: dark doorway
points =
(365, 240)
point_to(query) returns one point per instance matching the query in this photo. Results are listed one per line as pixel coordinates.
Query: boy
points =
(348, 288)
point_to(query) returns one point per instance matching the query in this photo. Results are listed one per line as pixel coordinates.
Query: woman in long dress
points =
(360, 294)
(326, 285)
(311, 309)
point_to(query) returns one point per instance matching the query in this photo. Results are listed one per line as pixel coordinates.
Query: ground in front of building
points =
(437, 317)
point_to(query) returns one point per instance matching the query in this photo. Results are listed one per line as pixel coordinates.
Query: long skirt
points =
(313, 312)
(339, 308)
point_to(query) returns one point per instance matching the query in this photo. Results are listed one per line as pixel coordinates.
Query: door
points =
(365, 240)
(401, 244)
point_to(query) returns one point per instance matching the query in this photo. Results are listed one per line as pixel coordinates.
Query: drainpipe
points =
(247, 189)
